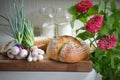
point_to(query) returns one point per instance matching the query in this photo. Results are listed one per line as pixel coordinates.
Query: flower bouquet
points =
(102, 28)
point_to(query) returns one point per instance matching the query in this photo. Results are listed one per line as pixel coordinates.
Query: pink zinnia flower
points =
(84, 6)
(94, 24)
(107, 42)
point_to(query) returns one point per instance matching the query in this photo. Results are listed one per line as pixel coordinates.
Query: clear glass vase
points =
(47, 22)
(62, 22)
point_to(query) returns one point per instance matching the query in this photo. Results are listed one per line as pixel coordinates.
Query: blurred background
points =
(36, 11)
(45, 15)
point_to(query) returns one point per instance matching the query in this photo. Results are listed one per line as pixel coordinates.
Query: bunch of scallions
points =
(28, 42)
(21, 30)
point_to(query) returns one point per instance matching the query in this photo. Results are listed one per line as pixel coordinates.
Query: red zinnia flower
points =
(84, 6)
(94, 24)
(107, 42)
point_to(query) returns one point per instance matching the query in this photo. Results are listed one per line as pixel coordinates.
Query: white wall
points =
(32, 11)
(32, 8)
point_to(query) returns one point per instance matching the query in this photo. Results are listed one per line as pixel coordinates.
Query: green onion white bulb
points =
(17, 53)
(23, 53)
(15, 50)
(36, 55)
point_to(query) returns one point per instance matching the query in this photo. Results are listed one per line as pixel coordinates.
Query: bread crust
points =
(42, 43)
(67, 49)
(6, 47)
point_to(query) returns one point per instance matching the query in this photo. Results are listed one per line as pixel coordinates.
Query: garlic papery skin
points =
(40, 57)
(35, 59)
(34, 53)
(29, 58)
(23, 53)
(41, 52)
(18, 57)
(10, 55)
(15, 50)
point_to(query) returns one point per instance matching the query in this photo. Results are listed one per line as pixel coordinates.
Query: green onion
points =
(28, 38)
(16, 22)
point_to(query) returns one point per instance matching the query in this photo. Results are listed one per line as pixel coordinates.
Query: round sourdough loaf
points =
(67, 49)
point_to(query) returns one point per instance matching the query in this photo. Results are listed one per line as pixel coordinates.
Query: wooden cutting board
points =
(7, 64)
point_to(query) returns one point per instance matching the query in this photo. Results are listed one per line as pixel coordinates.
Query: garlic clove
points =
(29, 59)
(41, 52)
(34, 53)
(34, 58)
(40, 57)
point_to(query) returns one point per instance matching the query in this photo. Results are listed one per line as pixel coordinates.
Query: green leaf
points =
(113, 5)
(82, 17)
(116, 25)
(117, 74)
(101, 6)
(110, 21)
(116, 15)
(117, 48)
(73, 21)
(72, 10)
(97, 67)
(104, 30)
(85, 35)
(112, 61)
(93, 10)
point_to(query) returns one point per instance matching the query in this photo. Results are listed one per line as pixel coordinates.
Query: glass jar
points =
(47, 18)
(64, 28)
(48, 30)
(62, 22)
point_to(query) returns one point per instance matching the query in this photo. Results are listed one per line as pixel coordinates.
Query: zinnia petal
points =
(84, 6)
(94, 24)
(107, 42)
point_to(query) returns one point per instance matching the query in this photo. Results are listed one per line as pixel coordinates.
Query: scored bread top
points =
(64, 45)
(72, 52)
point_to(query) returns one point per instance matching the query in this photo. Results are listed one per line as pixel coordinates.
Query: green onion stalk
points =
(28, 38)
(16, 30)
(28, 42)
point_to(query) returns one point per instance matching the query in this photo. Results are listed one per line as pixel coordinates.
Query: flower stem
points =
(112, 60)
(92, 43)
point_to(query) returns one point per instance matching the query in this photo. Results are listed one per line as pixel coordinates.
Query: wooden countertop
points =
(7, 64)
